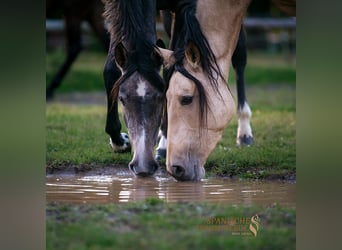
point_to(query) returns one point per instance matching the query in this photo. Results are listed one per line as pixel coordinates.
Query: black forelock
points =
(130, 23)
(143, 61)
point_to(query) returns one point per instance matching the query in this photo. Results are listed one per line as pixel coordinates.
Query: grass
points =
(273, 154)
(85, 74)
(75, 136)
(154, 224)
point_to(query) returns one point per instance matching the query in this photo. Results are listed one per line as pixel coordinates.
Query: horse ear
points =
(193, 55)
(120, 54)
(167, 57)
(156, 55)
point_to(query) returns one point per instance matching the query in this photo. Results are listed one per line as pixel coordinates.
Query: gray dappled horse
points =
(131, 75)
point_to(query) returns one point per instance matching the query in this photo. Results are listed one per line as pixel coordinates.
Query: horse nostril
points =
(178, 171)
(148, 170)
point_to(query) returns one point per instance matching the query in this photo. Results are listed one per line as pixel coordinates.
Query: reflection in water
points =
(127, 188)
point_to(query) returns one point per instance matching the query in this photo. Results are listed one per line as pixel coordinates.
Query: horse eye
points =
(186, 100)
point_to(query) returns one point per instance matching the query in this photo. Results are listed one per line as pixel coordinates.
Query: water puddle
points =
(127, 188)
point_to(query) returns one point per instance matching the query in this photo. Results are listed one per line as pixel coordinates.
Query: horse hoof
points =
(125, 147)
(245, 140)
(160, 155)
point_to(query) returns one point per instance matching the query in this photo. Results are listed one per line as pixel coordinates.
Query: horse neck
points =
(149, 23)
(150, 20)
(130, 11)
(220, 22)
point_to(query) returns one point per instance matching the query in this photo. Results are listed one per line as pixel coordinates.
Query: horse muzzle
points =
(143, 169)
(186, 172)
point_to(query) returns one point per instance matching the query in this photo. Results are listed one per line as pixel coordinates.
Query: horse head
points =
(197, 115)
(141, 93)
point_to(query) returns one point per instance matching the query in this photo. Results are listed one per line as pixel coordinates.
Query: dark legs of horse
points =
(74, 43)
(118, 141)
(239, 61)
(167, 21)
(161, 149)
(96, 22)
(74, 47)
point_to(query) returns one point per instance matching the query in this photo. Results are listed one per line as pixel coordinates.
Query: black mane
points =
(132, 23)
(187, 29)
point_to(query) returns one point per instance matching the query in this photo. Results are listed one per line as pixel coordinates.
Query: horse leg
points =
(167, 23)
(74, 47)
(96, 22)
(239, 61)
(161, 148)
(118, 141)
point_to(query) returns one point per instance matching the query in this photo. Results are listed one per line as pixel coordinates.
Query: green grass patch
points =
(154, 224)
(272, 155)
(266, 68)
(76, 135)
(85, 74)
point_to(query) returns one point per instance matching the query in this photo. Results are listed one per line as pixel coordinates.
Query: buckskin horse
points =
(199, 103)
(239, 61)
(131, 75)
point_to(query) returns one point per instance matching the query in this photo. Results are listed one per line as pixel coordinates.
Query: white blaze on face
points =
(141, 90)
(140, 146)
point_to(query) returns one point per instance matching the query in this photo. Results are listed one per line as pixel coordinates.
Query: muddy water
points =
(127, 188)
